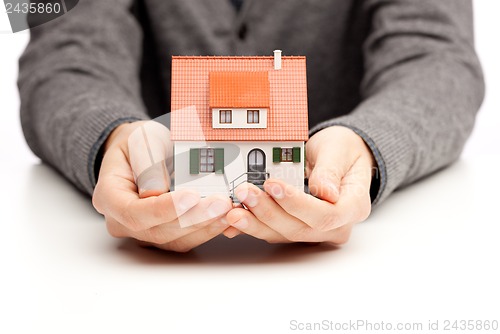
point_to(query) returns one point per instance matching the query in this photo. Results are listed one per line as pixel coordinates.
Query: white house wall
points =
(235, 162)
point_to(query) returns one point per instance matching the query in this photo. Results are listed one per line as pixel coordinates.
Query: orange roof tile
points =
(239, 90)
(191, 116)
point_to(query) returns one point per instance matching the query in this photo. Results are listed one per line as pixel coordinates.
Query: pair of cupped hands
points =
(136, 202)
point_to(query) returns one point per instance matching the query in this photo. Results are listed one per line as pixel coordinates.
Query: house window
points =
(252, 116)
(207, 162)
(286, 154)
(225, 116)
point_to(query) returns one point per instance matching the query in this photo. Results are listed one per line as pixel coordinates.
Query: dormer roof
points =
(239, 89)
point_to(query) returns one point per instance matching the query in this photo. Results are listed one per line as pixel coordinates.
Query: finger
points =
(271, 214)
(115, 173)
(189, 241)
(353, 204)
(231, 232)
(153, 181)
(196, 238)
(137, 214)
(199, 217)
(115, 229)
(316, 213)
(326, 166)
(148, 147)
(355, 190)
(211, 207)
(324, 183)
(162, 234)
(244, 221)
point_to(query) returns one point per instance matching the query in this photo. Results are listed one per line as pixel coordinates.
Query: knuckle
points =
(267, 215)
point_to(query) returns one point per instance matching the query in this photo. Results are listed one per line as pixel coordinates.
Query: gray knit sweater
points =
(402, 73)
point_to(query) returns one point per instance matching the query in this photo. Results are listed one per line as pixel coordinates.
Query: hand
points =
(339, 167)
(148, 212)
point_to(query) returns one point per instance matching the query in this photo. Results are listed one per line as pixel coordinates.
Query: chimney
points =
(277, 59)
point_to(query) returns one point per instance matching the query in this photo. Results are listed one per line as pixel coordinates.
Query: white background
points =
(429, 253)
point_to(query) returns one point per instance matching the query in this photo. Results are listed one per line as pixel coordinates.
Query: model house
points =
(238, 119)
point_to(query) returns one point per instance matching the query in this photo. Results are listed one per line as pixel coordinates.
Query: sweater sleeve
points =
(421, 90)
(78, 80)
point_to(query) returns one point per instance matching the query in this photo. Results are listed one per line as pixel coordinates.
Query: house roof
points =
(191, 116)
(239, 90)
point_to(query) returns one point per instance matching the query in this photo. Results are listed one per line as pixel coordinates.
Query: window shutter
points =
(219, 161)
(276, 154)
(296, 154)
(194, 161)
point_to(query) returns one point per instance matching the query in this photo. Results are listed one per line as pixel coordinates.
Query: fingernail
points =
(241, 224)
(247, 197)
(185, 202)
(275, 190)
(217, 208)
(153, 178)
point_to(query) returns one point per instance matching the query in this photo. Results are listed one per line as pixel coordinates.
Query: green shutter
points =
(219, 161)
(276, 154)
(194, 161)
(296, 154)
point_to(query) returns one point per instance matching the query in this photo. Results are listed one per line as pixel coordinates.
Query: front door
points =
(256, 167)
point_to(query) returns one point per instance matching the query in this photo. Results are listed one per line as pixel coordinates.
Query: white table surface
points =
(430, 253)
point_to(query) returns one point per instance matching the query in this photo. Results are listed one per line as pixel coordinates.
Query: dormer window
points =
(225, 116)
(239, 100)
(252, 116)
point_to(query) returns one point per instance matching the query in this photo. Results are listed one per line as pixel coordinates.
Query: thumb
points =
(328, 164)
(335, 169)
(150, 150)
(324, 182)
